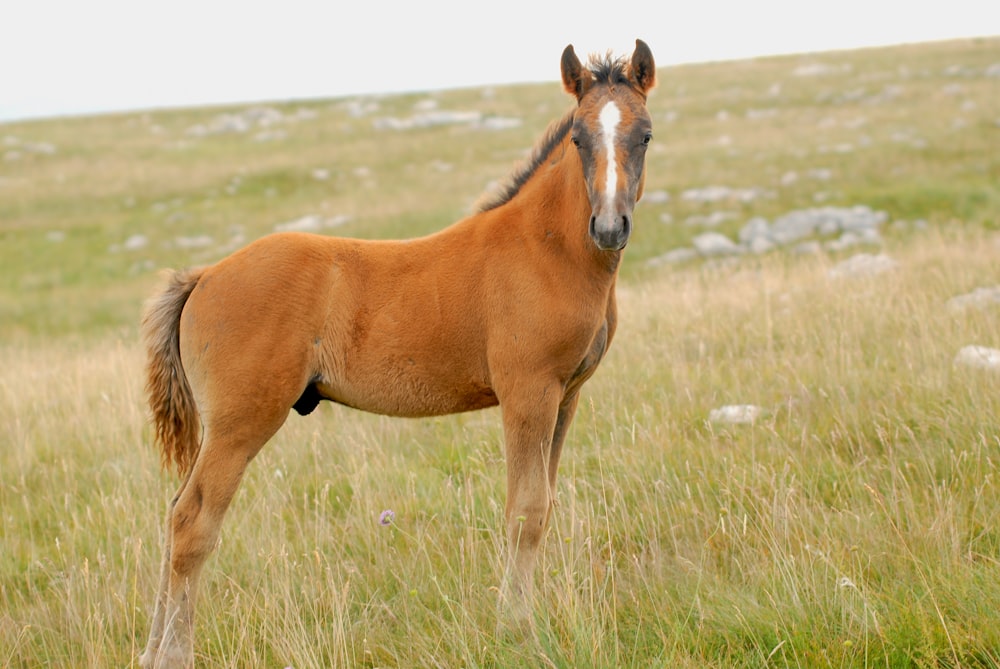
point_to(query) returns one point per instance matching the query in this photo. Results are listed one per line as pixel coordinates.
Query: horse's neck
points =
(554, 202)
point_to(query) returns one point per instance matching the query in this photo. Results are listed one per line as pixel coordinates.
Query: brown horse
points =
(514, 305)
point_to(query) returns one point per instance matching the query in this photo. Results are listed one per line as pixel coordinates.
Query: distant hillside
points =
(91, 207)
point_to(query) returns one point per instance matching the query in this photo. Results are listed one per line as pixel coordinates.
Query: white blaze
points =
(609, 118)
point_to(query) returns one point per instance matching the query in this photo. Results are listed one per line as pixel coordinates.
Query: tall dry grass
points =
(855, 524)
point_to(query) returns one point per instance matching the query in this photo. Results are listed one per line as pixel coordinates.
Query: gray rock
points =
(656, 197)
(980, 357)
(760, 245)
(251, 118)
(311, 223)
(499, 123)
(807, 248)
(978, 298)
(793, 226)
(736, 414)
(193, 242)
(712, 220)
(851, 239)
(710, 194)
(673, 257)
(824, 221)
(136, 242)
(756, 227)
(710, 244)
(860, 218)
(863, 264)
(428, 119)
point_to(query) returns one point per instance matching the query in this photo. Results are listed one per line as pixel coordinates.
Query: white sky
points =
(76, 56)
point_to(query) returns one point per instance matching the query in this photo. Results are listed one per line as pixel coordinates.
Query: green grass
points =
(855, 524)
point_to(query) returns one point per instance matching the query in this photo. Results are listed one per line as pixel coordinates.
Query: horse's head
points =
(611, 130)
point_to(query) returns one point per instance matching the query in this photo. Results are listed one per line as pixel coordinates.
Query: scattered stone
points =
(736, 414)
(270, 136)
(807, 248)
(819, 70)
(19, 148)
(656, 197)
(499, 123)
(978, 298)
(262, 119)
(195, 242)
(756, 114)
(799, 230)
(979, 357)
(311, 223)
(358, 108)
(133, 243)
(804, 223)
(712, 220)
(673, 257)
(711, 194)
(760, 245)
(429, 118)
(710, 244)
(756, 228)
(862, 265)
(851, 239)
(55, 236)
(307, 223)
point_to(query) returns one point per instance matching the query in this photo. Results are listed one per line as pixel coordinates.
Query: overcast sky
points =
(78, 56)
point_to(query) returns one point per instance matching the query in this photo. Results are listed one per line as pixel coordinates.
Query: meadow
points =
(854, 523)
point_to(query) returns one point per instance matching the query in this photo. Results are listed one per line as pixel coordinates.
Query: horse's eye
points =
(647, 138)
(575, 140)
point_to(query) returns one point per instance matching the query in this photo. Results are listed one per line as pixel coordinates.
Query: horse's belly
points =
(405, 390)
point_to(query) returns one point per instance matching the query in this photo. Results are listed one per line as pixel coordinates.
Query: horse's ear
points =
(642, 69)
(576, 80)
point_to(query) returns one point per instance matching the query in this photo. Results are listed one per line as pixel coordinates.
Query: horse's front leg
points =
(529, 421)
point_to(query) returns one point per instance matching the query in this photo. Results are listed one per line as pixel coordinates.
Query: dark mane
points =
(606, 70)
(555, 133)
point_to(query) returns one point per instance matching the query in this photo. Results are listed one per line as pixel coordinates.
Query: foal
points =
(514, 305)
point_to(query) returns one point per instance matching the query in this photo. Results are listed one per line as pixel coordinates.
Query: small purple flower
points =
(386, 517)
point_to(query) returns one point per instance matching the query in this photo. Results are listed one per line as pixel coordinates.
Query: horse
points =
(513, 305)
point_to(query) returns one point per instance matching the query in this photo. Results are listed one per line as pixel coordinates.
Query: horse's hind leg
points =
(193, 528)
(148, 657)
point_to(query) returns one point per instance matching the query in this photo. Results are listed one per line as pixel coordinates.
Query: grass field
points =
(856, 523)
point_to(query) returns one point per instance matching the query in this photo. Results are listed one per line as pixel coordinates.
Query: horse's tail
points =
(175, 415)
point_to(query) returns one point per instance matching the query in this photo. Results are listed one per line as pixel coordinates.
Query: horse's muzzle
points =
(611, 233)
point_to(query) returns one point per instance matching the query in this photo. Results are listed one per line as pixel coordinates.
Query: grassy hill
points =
(853, 523)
